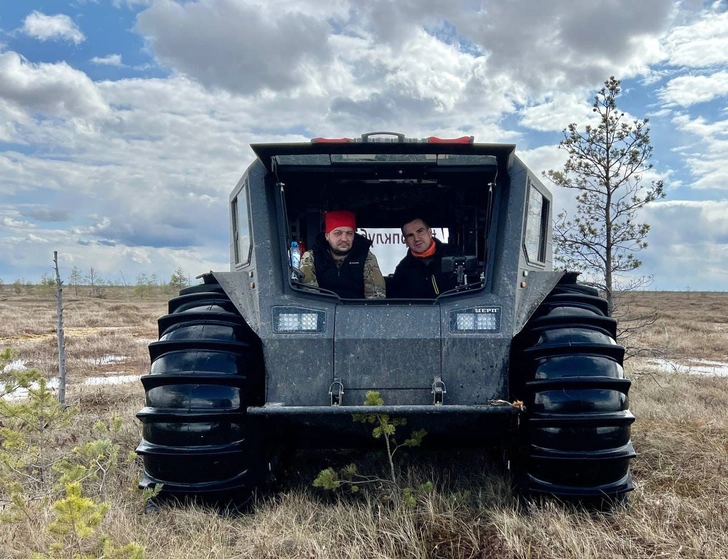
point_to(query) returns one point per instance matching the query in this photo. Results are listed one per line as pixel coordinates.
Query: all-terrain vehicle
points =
(516, 354)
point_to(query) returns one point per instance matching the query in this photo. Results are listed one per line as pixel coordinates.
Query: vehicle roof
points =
(266, 152)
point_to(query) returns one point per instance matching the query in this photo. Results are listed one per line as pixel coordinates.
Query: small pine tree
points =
(178, 280)
(47, 285)
(77, 518)
(143, 286)
(30, 476)
(75, 279)
(606, 164)
(385, 429)
(27, 428)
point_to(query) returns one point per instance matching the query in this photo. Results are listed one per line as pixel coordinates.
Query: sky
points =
(125, 124)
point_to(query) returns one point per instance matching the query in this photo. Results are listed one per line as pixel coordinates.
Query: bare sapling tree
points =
(606, 165)
(94, 281)
(60, 334)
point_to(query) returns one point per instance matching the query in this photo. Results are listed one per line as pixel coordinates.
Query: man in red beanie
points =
(340, 260)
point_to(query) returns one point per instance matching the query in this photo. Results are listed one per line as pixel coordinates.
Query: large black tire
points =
(574, 437)
(206, 370)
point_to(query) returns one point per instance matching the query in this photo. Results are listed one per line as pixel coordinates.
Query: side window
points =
(536, 223)
(241, 227)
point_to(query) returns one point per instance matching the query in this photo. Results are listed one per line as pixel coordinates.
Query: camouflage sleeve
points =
(374, 287)
(308, 269)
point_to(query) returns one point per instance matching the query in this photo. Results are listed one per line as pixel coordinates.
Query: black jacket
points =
(347, 280)
(416, 279)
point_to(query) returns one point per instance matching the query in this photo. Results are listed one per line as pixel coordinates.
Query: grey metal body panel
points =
(393, 346)
(539, 284)
(376, 347)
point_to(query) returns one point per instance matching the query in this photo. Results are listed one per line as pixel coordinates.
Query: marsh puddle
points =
(22, 393)
(106, 359)
(16, 365)
(691, 367)
(111, 379)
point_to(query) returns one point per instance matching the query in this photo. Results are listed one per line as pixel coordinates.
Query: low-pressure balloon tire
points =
(206, 369)
(573, 439)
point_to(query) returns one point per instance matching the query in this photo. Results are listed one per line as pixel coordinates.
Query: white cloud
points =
(100, 224)
(228, 44)
(12, 223)
(701, 127)
(10, 117)
(558, 112)
(689, 221)
(561, 44)
(110, 60)
(57, 27)
(53, 89)
(659, 113)
(148, 183)
(38, 239)
(544, 158)
(377, 85)
(689, 90)
(706, 160)
(688, 243)
(702, 43)
(539, 44)
(521, 45)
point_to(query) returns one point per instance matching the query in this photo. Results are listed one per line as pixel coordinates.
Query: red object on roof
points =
(460, 140)
(331, 140)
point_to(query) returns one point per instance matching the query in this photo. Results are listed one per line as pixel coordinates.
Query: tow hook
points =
(336, 391)
(438, 391)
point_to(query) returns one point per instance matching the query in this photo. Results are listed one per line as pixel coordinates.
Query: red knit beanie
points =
(339, 218)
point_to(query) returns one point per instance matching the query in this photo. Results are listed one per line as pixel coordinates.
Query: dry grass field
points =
(679, 507)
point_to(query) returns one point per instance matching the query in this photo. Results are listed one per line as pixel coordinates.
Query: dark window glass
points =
(241, 227)
(535, 241)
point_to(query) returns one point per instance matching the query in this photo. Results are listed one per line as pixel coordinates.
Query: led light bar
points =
(475, 319)
(298, 319)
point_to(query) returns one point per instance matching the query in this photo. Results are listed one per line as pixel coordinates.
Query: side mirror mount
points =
(460, 265)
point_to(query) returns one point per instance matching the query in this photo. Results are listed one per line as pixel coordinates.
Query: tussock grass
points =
(688, 324)
(679, 507)
(95, 329)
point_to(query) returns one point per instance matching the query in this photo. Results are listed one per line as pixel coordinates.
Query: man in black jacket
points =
(340, 260)
(419, 274)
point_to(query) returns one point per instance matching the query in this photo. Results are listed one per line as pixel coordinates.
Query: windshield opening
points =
(455, 206)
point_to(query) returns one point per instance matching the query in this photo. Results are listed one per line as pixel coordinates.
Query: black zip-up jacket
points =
(347, 280)
(420, 278)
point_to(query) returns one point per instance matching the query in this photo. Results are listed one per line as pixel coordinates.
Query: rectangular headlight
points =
(297, 319)
(475, 319)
